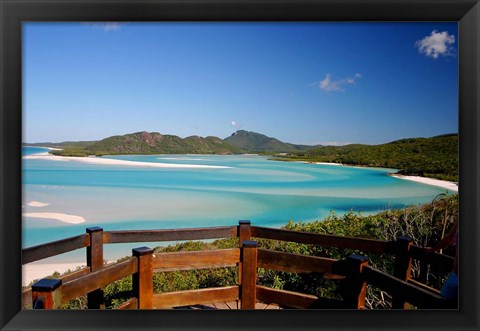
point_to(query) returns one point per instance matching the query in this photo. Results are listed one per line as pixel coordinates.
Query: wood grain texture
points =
(194, 297)
(354, 286)
(142, 280)
(98, 279)
(94, 256)
(217, 258)
(285, 298)
(297, 263)
(248, 291)
(129, 236)
(244, 234)
(53, 248)
(129, 304)
(366, 245)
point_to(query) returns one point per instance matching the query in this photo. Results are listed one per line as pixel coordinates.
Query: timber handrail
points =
(53, 248)
(111, 237)
(353, 272)
(297, 263)
(206, 259)
(82, 285)
(363, 244)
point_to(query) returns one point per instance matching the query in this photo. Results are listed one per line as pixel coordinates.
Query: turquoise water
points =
(269, 193)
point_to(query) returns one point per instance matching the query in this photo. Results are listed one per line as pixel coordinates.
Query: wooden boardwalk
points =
(230, 305)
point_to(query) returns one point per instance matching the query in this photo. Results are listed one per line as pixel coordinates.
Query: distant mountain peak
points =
(256, 142)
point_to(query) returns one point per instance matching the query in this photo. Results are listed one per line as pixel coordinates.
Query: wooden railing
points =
(353, 272)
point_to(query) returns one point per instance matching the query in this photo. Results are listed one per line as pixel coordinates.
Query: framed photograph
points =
(318, 155)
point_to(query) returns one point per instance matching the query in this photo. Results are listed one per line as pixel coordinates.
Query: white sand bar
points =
(37, 204)
(101, 160)
(35, 271)
(328, 163)
(452, 186)
(72, 219)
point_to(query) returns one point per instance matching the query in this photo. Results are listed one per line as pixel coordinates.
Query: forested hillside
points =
(435, 157)
(149, 143)
(259, 143)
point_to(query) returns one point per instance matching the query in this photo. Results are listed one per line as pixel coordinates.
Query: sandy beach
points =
(430, 181)
(424, 180)
(72, 219)
(101, 160)
(37, 204)
(34, 271)
(328, 163)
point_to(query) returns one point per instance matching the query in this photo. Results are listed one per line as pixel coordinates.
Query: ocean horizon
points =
(64, 196)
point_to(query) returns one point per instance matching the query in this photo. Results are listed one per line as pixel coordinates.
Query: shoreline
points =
(452, 186)
(38, 270)
(106, 161)
(35, 271)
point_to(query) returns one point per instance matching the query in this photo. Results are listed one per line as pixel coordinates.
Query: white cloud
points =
(331, 85)
(436, 44)
(106, 26)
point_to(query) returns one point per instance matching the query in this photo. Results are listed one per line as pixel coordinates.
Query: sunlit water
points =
(269, 193)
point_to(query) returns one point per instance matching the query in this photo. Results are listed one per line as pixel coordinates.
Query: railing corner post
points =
(355, 287)
(95, 262)
(403, 266)
(244, 231)
(244, 234)
(47, 294)
(248, 292)
(143, 279)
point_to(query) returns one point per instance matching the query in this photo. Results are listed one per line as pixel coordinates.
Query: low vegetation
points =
(253, 142)
(426, 224)
(147, 143)
(435, 157)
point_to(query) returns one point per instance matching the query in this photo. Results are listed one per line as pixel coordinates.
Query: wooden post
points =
(95, 262)
(403, 267)
(47, 294)
(143, 279)
(249, 275)
(354, 287)
(244, 234)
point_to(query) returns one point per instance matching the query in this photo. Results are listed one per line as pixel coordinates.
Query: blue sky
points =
(306, 83)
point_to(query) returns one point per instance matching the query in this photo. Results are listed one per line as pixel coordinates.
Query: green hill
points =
(259, 143)
(435, 157)
(149, 143)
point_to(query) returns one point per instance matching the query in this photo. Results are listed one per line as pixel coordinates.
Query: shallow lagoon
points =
(269, 193)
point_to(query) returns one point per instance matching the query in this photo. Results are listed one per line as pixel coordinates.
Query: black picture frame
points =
(13, 12)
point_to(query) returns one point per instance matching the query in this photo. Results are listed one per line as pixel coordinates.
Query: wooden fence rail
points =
(367, 245)
(218, 258)
(131, 236)
(95, 280)
(297, 263)
(53, 248)
(195, 297)
(354, 273)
